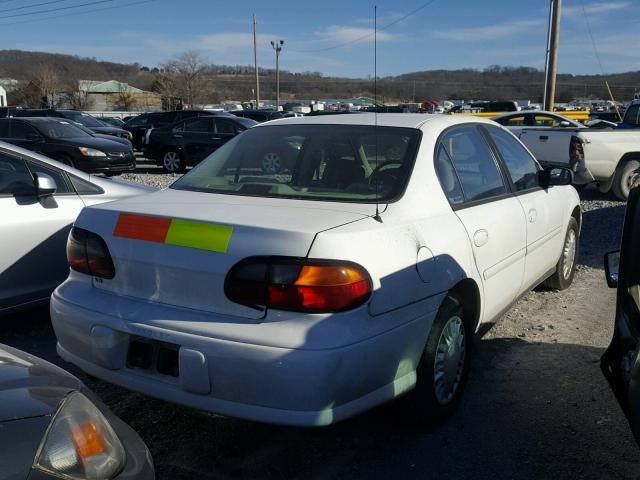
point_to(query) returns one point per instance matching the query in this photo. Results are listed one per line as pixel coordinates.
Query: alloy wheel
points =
(171, 161)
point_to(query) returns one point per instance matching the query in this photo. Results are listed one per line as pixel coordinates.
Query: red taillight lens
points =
(576, 151)
(87, 253)
(298, 284)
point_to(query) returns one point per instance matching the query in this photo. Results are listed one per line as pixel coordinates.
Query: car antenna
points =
(377, 216)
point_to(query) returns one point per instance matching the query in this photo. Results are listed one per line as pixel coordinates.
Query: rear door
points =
(34, 231)
(195, 133)
(543, 209)
(492, 216)
(621, 361)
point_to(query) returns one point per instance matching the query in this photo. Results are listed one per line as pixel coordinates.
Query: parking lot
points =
(536, 406)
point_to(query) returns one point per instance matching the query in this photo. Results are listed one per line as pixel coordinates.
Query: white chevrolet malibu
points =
(356, 272)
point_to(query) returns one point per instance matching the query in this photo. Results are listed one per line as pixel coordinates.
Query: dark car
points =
(63, 141)
(621, 362)
(189, 141)
(52, 426)
(112, 121)
(85, 119)
(258, 115)
(137, 126)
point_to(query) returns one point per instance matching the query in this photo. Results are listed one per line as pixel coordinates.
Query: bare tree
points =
(165, 85)
(46, 81)
(125, 98)
(77, 95)
(187, 71)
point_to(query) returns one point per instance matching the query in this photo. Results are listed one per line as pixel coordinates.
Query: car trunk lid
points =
(176, 247)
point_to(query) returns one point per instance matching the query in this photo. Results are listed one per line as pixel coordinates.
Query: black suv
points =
(258, 115)
(137, 126)
(63, 141)
(188, 141)
(92, 123)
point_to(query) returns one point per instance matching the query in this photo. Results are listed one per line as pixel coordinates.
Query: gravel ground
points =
(536, 405)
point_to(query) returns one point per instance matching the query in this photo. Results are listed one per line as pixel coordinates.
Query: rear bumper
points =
(292, 386)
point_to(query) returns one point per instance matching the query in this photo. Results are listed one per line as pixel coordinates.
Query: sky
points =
(334, 37)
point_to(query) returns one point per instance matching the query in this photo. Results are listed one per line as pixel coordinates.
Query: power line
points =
(33, 5)
(593, 42)
(52, 17)
(370, 34)
(56, 9)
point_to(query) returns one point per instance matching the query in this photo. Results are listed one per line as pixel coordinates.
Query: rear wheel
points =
(172, 161)
(444, 367)
(566, 266)
(624, 178)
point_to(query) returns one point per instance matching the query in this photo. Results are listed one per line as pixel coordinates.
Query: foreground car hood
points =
(30, 386)
(182, 272)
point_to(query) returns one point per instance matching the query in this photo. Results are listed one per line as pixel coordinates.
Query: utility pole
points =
(277, 46)
(552, 55)
(255, 62)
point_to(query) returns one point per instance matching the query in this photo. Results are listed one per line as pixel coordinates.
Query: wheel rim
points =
(171, 161)
(271, 163)
(569, 254)
(449, 361)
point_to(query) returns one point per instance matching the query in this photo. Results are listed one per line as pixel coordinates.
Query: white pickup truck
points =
(609, 157)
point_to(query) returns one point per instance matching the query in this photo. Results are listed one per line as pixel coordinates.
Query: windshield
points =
(60, 129)
(84, 119)
(314, 162)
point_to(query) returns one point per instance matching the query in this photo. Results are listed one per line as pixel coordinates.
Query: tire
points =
(66, 159)
(563, 276)
(271, 163)
(434, 400)
(624, 177)
(173, 161)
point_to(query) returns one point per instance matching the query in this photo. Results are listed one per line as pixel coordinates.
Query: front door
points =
(542, 209)
(34, 231)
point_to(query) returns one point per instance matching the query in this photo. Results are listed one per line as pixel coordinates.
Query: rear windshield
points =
(313, 162)
(632, 117)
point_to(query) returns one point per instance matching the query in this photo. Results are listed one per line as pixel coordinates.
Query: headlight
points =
(91, 152)
(80, 444)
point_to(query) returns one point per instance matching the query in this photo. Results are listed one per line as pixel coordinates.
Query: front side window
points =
(522, 168)
(61, 184)
(15, 178)
(225, 127)
(350, 163)
(474, 163)
(545, 121)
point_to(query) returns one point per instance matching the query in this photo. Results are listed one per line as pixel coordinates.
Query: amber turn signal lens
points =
(87, 440)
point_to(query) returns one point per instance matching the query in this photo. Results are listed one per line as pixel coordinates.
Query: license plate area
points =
(154, 357)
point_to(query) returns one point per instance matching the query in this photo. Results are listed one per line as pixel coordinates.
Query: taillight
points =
(576, 152)
(298, 284)
(87, 253)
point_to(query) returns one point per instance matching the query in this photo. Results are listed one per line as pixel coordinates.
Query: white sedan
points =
(39, 200)
(357, 274)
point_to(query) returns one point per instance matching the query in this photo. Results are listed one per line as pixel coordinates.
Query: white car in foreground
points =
(358, 274)
(39, 200)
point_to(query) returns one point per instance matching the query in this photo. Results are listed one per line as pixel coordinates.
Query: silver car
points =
(40, 198)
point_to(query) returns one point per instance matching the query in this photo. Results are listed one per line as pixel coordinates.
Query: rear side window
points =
(448, 177)
(198, 124)
(83, 187)
(15, 178)
(20, 131)
(518, 121)
(139, 121)
(474, 163)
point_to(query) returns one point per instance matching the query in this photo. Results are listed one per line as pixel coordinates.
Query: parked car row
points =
(255, 290)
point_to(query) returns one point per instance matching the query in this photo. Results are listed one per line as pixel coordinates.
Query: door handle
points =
(216, 138)
(533, 215)
(480, 238)
(543, 138)
(176, 135)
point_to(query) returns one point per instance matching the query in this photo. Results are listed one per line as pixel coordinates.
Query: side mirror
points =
(552, 176)
(45, 185)
(611, 268)
(564, 124)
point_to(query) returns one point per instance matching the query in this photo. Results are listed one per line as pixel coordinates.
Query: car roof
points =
(43, 119)
(406, 120)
